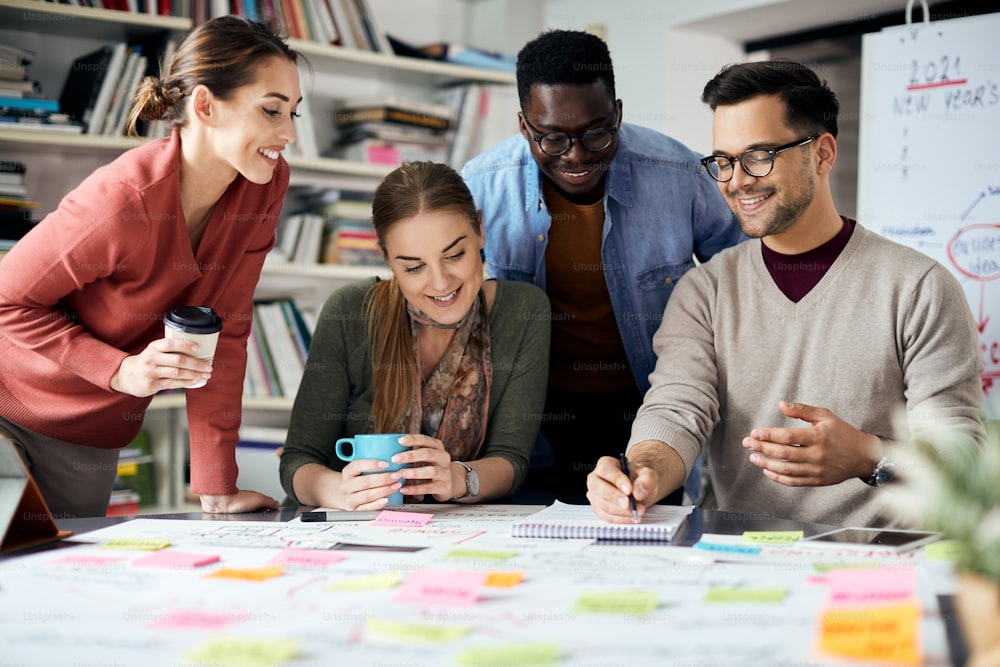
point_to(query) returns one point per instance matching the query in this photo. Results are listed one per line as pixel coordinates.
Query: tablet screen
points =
(896, 539)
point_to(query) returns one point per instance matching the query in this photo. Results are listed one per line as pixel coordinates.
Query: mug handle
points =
(340, 449)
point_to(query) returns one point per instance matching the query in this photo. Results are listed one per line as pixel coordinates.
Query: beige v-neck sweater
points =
(886, 327)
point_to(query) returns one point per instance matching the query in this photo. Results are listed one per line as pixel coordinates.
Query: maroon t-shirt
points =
(795, 275)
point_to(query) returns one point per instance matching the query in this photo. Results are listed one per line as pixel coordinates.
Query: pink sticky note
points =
(449, 589)
(177, 560)
(87, 560)
(411, 519)
(306, 558)
(387, 155)
(871, 585)
(189, 618)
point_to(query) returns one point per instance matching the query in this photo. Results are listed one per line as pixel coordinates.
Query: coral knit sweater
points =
(91, 283)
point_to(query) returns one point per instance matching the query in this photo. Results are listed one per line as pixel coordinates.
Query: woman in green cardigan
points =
(457, 362)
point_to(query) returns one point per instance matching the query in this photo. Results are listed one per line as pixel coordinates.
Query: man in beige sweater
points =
(789, 356)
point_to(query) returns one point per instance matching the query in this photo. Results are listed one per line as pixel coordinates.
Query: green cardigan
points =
(335, 398)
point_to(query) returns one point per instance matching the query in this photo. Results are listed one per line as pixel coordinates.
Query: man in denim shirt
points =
(605, 217)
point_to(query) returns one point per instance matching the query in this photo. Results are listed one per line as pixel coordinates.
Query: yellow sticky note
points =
(480, 554)
(504, 579)
(528, 654)
(414, 633)
(373, 582)
(621, 602)
(719, 594)
(134, 544)
(824, 568)
(945, 550)
(772, 536)
(249, 574)
(244, 651)
(879, 634)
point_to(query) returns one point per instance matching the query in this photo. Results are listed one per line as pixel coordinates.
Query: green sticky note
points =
(619, 602)
(245, 651)
(823, 568)
(480, 554)
(414, 633)
(772, 536)
(136, 545)
(529, 654)
(717, 594)
(373, 582)
(945, 550)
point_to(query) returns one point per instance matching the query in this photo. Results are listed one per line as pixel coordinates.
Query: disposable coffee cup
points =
(199, 324)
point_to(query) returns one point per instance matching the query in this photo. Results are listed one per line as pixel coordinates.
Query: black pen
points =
(341, 515)
(631, 497)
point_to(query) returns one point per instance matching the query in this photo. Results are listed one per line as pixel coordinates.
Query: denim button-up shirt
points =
(660, 210)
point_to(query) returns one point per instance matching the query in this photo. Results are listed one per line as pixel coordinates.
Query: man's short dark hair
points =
(811, 105)
(559, 57)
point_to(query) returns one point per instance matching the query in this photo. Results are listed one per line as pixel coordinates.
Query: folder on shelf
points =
(25, 519)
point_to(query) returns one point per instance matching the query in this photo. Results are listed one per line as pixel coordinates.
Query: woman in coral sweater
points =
(180, 221)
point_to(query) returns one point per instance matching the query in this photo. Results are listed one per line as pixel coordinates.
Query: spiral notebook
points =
(561, 520)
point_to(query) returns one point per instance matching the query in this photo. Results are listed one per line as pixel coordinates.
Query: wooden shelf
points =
(68, 20)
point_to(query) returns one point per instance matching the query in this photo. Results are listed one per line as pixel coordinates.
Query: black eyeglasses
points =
(558, 143)
(757, 162)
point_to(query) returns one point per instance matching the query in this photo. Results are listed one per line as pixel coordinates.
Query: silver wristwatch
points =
(471, 482)
(882, 474)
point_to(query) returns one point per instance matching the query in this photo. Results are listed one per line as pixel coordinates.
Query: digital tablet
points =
(883, 538)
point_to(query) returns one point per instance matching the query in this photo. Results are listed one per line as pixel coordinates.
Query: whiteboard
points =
(929, 157)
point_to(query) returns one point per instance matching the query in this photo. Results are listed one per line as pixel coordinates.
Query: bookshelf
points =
(57, 162)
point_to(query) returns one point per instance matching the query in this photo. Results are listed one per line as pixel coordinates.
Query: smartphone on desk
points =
(883, 538)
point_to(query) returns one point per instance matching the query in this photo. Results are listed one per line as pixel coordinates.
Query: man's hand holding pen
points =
(612, 492)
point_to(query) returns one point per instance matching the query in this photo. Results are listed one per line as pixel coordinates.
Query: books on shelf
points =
(561, 520)
(407, 113)
(276, 349)
(90, 85)
(457, 54)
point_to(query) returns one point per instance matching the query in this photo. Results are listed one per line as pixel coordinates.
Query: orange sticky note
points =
(879, 634)
(449, 589)
(249, 574)
(504, 579)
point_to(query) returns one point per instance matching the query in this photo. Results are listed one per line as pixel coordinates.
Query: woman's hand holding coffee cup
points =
(167, 363)
(428, 471)
(367, 484)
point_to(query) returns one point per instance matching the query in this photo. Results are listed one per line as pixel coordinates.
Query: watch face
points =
(472, 481)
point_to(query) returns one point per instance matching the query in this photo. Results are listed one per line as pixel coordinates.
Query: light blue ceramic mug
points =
(380, 446)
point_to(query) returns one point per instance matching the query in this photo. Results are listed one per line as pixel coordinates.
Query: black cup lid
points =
(194, 319)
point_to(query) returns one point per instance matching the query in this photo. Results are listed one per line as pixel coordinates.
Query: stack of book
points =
(101, 85)
(277, 348)
(22, 105)
(14, 76)
(135, 483)
(15, 208)
(393, 131)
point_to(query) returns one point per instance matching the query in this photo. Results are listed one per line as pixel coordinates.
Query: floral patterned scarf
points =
(452, 405)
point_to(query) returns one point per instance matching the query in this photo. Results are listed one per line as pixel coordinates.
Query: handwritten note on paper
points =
(249, 574)
(411, 519)
(879, 634)
(772, 536)
(414, 633)
(535, 654)
(720, 594)
(307, 558)
(195, 619)
(245, 651)
(617, 602)
(480, 554)
(853, 587)
(87, 560)
(372, 582)
(135, 544)
(450, 589)
(175, 560)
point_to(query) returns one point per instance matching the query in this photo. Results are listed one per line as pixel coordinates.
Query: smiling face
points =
(570, 108)
(774, 204)
(434, 256)
(251, 128)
